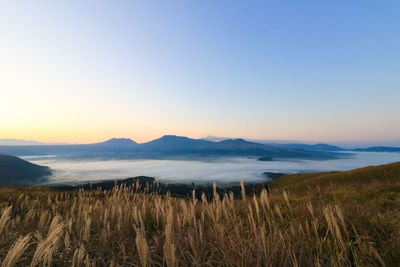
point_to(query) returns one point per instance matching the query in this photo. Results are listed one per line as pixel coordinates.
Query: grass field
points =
(326, 219)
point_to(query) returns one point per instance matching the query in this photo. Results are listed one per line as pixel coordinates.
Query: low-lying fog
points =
(221, 170)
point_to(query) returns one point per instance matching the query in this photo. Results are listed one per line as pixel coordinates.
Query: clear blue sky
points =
(82, 71)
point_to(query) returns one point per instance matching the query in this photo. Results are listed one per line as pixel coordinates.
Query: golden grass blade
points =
(16, 251)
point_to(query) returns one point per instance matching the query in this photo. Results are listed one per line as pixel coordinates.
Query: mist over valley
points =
(221, 170)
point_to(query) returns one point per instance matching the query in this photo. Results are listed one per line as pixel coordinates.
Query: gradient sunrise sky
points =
(86, 71)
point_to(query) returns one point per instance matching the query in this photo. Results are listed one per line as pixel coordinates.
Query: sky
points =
(86, 71)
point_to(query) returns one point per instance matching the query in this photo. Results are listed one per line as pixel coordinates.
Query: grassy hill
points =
(301, 183)
(14, 170)
(325, 219)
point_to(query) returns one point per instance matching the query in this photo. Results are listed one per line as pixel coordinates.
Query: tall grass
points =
(124, 227)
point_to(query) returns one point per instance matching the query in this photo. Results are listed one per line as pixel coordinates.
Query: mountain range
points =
(180, 147)
(315, 147)
(168, 146)
(378, 149)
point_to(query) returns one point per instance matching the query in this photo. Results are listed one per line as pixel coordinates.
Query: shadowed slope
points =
(14, 170)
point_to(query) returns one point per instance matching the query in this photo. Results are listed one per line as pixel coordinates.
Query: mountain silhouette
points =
(378, 149)
(168, 146)
(314, 147)
(14, 170)
(118, 142)
(173, 142)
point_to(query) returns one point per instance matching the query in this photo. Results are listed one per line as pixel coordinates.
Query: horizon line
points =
(213, 138)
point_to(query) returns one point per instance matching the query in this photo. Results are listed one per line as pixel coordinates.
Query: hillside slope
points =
(14, 170)
(300, 183)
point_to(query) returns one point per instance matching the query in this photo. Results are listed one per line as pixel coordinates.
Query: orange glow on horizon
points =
(87, 136)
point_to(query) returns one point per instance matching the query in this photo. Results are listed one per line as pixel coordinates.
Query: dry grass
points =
(126, 228)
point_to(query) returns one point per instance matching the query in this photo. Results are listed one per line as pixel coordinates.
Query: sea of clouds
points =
(224, 170)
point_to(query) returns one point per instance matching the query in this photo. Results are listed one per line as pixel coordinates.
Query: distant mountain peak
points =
(119, 142)
(173, 137)
(236, 141)
(173, 142)
(239, 140)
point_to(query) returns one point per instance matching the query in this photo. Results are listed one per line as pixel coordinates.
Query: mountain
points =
(237, 142)
(282, 144)
(175, 146)
(106, 149)
(315, 147)
(173, 142)
(118, 143)
(167, 146)
(14, 170)
(378, 149)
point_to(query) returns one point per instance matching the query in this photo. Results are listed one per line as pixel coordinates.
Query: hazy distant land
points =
(167, 147)
(185, 160)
